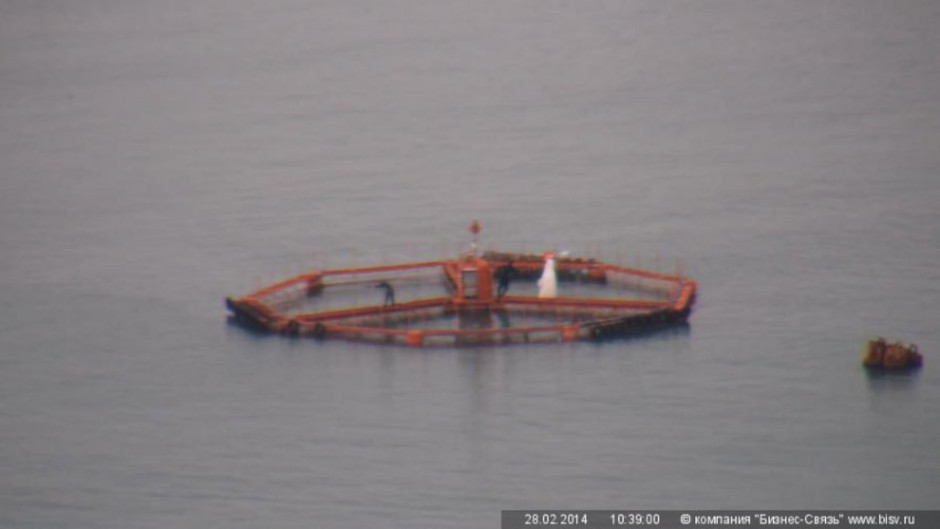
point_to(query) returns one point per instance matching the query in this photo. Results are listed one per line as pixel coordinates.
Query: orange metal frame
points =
(477, 297)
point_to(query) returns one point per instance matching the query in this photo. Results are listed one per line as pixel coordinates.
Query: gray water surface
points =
(157, 157)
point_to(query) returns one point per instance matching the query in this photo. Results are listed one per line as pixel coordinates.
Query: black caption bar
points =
(643, 519)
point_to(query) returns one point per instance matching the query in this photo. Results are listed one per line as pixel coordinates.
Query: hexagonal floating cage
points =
(473, 300)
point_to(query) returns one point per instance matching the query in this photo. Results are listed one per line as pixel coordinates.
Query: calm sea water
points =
(158, 156)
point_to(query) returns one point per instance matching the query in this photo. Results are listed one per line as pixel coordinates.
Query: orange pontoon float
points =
(457, 303)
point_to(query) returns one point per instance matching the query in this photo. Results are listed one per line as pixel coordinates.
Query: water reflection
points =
(503, 316)
(880, 380)
(237, 325)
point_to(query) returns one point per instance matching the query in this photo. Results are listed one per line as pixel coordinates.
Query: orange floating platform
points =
(881, 355)
(470, 301)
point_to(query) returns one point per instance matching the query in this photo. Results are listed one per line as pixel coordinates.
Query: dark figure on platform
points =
(503, 276)
(389, 293)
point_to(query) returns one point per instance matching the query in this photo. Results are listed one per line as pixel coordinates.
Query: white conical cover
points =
(548, 283)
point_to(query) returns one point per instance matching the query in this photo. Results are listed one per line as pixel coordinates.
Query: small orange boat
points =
(471, 300)
(891, 356)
